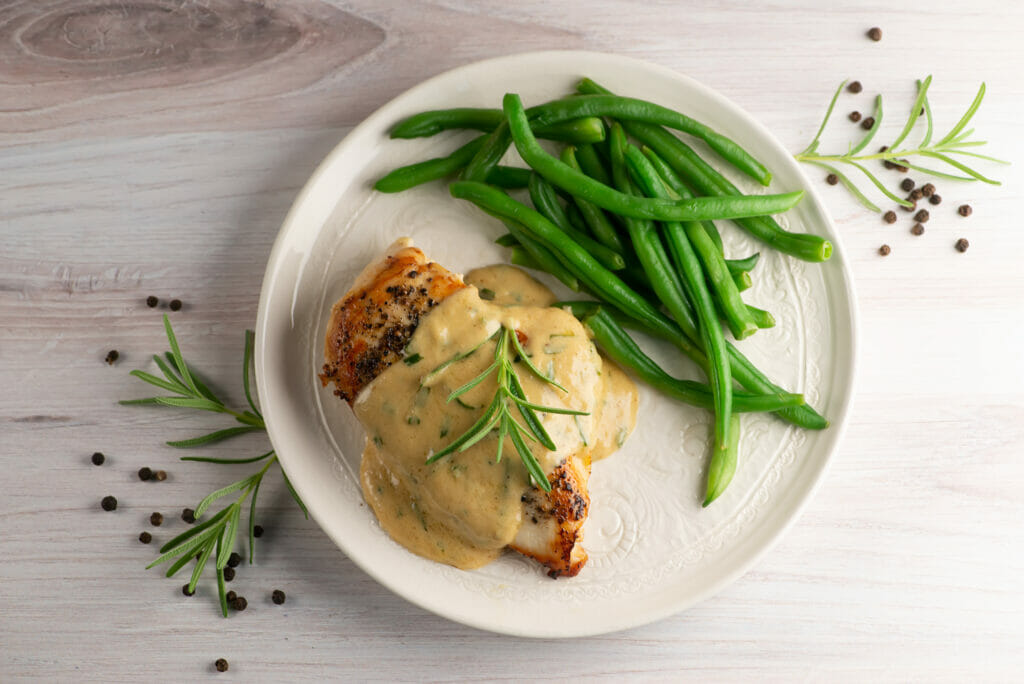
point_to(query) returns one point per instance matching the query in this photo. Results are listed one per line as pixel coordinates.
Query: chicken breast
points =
(369, 329)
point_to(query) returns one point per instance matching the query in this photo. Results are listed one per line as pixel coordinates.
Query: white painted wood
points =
(905, 566)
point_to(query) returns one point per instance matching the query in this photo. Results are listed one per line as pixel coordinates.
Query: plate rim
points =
(839, 421)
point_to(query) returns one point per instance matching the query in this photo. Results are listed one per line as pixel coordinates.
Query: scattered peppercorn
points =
(922, 216)
(831, 179)
(916, 194)
(160, 475)
(234, 559)
(918, 229)
(854, 117)
(230, 596)
(175, 305)
(888, 164)
(221, 665)
(912, 207)
(188, 515)
(884, 250)
(901, 168)
(152, 301)
(239, 603)
(185, 591)
(229, 574)
(277, 596)
(962, 244)
(111, 357)
(875, 33)
(257, 531)
(867, 123)
(145, 537)
(889, 216)
(156, 519)
(855, 87)
(964, 210)
(907, 184)
(108, 503)
(98, 458)
(928, 189)
(145, 474)
(935, 199)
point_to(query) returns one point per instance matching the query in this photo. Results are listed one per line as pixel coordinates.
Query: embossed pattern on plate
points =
(653, 549)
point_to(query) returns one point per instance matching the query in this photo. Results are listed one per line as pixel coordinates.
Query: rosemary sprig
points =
(508, 398)
(216, 536)
(956, 142)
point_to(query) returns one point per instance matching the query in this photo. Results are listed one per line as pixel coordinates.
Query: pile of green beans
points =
(633, 227)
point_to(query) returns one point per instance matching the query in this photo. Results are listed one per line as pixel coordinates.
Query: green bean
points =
(409, 176)
(489, 154)
(595, 105)
(509, 177)
(575, 130)
(605, 197)
(617, 345)
(572, 212)
(706, 180)
(741, 265)
(506, 240)
(742, 281)
(546, 202)
(712, 230)
(591, 164)
(657, 267)
(723, 465)
(688, 264)
(593, 216)
(541, 254)
(585, 130)
(764, 319)
(740, 322)
(520, 257)
(611, 289)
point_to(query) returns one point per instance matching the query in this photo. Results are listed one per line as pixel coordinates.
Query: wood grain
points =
(155, 147)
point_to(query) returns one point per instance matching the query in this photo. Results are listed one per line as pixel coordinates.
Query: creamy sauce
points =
(466, 507)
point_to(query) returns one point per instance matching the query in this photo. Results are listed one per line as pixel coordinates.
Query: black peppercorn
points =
(889, 216)
(156, 519)
(884, 250)
(257, 531)
(854, 117)
(962, 244)
(239, 603)
(185, 591)
(221, 665)
(867, 123)
(907, 184)
(277, 596)
(964, 210)
(98, 458)
(175, 305)
(918, 229)
(112, 356)
(145, 474)
(230, 596)
(145, 537)
(928, 189)
(922, 216)
(188, 515)
(855, 87)
(912, 207)
(831, 179)
(875, 33)
(160, 475)
(152, 301)
(108, 503)
(935, 199)
(229, 574)
(916, 194)
(234, 559)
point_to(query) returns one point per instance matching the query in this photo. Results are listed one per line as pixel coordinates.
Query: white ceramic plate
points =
(653, 550)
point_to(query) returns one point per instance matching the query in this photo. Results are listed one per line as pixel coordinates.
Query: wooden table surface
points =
(153, 148)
